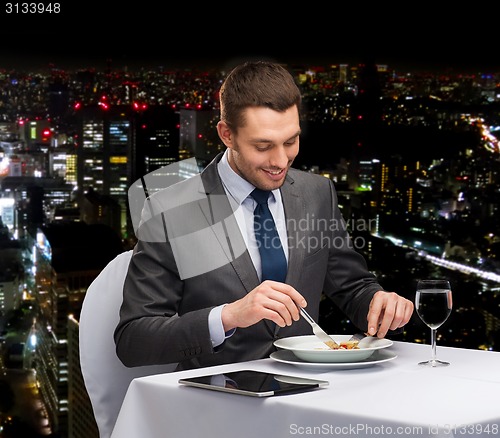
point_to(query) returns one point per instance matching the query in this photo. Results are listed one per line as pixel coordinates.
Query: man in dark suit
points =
(195, 292)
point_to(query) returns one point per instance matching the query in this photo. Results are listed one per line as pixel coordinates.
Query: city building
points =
(105, 145)
(198, 133)
(68, 257)
(118, 144)
(81, 421)
(157, 139)
(11, 271)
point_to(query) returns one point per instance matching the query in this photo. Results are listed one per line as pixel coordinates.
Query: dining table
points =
(391, 395)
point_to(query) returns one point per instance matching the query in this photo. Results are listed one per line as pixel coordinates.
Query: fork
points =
(318, 331)
(364, 340)
(357, 337)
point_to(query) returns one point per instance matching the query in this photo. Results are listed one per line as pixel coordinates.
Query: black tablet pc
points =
(254, 383)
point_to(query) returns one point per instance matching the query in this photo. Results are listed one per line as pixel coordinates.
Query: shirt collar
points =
(238, 187)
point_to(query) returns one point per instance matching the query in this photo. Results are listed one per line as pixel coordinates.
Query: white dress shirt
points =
(238, 191)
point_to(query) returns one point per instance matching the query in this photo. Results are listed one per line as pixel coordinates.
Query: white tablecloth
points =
(395, 398)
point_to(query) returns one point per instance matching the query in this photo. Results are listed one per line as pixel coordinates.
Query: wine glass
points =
(433, 303)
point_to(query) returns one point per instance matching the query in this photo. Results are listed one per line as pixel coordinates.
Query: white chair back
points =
(106, 378)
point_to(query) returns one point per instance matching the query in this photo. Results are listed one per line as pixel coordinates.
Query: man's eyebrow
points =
(260, 140)
(294, 136)
(266, 140)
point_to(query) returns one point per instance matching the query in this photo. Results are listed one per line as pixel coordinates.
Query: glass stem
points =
(433, 344)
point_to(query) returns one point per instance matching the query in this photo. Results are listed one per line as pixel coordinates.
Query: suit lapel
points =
(219, 216)
(294, 206)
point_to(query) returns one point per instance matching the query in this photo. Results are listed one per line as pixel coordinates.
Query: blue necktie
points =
(273, 261)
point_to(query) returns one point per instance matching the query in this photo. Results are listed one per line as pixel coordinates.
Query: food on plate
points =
(346, 345)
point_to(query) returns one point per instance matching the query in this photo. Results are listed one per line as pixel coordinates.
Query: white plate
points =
(286, 356)
(311, 349)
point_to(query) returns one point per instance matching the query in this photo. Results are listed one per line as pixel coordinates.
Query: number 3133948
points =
(32, 8)
(472, 429)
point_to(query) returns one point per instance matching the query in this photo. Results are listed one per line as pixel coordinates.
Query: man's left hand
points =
(388, 311)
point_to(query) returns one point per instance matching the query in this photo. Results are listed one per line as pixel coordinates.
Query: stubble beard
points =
(248, 176)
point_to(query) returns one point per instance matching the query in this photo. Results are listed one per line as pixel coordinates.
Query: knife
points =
(318, 331)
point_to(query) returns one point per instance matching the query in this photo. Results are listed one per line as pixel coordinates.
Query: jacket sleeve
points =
(348, 282)
(150, 330)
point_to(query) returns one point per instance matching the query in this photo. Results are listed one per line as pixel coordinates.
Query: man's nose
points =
(279, 157)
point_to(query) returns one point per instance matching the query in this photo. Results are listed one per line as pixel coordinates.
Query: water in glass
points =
(433, 303)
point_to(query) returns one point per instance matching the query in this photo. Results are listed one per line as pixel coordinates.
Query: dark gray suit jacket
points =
(191, 257)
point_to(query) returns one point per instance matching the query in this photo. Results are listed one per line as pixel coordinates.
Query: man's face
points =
(263, 150)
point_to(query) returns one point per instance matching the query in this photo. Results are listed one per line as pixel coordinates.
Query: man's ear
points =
(225, 133)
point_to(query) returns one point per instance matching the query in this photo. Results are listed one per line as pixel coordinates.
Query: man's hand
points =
(270, 300)
(388, 311)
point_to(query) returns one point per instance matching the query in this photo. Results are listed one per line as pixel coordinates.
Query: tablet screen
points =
(254, 383)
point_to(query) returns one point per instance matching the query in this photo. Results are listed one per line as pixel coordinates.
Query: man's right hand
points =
(270, 300)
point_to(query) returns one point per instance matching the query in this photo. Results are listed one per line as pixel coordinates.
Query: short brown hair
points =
(257, 84)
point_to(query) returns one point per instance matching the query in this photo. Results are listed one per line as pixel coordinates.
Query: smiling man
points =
(263, 149)
(224, 259)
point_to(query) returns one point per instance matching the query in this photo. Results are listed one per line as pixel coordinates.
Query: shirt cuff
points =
(217, 334)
